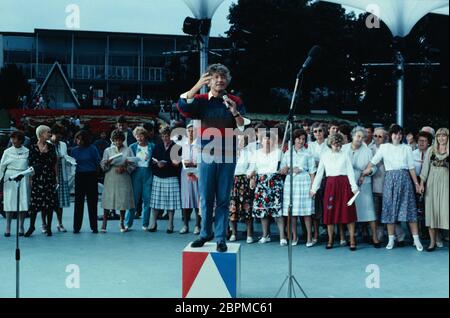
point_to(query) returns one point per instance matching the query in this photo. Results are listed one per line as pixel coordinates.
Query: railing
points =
(97, 72)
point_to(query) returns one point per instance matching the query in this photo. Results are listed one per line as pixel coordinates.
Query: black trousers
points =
(85, 186)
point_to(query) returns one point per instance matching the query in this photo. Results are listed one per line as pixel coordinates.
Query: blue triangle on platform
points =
(226, 264)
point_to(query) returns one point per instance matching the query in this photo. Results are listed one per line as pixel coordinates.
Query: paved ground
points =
(138, 264)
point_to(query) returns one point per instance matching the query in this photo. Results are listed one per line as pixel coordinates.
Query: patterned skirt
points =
(302, 203)
(241, 201)
(399, 202)
(63, 189)
(337, 193)
(165, 194)
(268, 196)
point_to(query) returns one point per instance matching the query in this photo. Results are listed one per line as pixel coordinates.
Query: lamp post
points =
(204, 10)
(400, 16)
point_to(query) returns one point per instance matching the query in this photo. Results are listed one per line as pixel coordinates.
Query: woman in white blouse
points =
(304, 169)
(268, 184)
(339, 186)
(15, 160)
(399, 203)
(360, 156)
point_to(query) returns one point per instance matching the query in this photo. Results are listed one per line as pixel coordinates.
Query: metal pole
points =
(400, 87)
(204, 45)
(17, 241)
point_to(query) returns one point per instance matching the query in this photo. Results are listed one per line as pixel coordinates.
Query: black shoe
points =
(200, 242)
(352, 248)
(20, 234)
(221, 247)
(431, 249)
(76, 232)
(169, 231)
(7, 234)
(401, 244)
(329, 246)
(29, 232)
(49, 232)
(376, 245)
(153, 229)
(95, 231)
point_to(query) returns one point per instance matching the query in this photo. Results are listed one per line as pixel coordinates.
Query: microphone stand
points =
(290, 278)
(17, 180)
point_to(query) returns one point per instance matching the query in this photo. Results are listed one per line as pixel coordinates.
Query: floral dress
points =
(43, 190)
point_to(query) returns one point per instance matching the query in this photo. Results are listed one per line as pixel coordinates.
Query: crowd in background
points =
(396, 177)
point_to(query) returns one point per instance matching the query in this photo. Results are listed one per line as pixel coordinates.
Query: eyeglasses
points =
(317, 131)
(378, 136)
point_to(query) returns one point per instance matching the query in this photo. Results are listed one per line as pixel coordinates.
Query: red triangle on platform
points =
(192, 263)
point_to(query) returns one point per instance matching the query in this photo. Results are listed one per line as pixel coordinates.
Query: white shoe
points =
(294, 243)
(309, 244)
(439, 244)
(196, 230)
(184, 230)
(145, 229)
(283, 242)
(418, 246)
(343, 242)
(390, 245)
(264, 240)
(232, 238)
(250, 240)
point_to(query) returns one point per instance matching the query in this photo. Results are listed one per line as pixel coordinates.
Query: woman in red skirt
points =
(339, 189)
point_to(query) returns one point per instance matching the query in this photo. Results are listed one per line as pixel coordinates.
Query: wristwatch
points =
(237, 115)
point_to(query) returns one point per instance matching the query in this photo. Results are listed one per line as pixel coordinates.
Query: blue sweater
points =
(88, 158)
(213, 114)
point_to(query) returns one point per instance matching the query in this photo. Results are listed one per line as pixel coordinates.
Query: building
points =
(115, 64)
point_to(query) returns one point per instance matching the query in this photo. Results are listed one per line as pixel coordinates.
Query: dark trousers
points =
(85, 186)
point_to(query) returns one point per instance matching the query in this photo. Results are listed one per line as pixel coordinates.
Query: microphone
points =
(21, 174)
(313, 53)
(225, 99)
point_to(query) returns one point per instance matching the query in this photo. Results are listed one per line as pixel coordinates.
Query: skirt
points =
(165, 194)
(63, 189)
(399, 202)
(189, 192)
(241, 201)
(268, 196)
(302, 203)
(337, 193)
(365, 208)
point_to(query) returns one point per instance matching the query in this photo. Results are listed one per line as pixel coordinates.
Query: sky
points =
(133, 16)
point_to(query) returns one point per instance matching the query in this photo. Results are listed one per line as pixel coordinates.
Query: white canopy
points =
(203, 9)
(399, 15)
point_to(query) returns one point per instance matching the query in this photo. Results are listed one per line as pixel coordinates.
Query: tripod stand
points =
(290, 278)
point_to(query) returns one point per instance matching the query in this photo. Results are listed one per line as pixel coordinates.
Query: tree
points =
(13, 84)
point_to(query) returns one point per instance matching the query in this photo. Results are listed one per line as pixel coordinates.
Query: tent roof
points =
(57, 68)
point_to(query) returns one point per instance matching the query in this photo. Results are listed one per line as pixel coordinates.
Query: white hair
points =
(359, 129)
(41, 129)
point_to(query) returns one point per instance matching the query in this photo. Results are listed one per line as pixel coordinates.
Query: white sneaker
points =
(250, 240)
(309, 244)
(343, 242)
(196, 230)
(264, 240)
(440, 244)
(283, 242)
(232, 238)
(145, 228)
